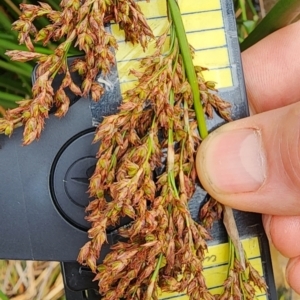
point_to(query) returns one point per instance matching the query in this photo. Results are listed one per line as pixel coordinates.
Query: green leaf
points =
(3, 297)
(6, 23)
(282, 14)
(10, 97)
(10, 85)
(249, 25)
(15, 68)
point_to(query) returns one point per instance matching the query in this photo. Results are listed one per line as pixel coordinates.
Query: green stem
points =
(282, 14)
(56, 67)
(243, 8)
(153, 279)
(253, 10)
(231, 255)
(154, 275)
(171, 152)
(189, 66)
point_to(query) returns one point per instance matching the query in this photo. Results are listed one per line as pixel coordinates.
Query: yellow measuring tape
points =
(203, 21)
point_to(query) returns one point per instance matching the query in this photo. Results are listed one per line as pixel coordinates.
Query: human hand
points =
(253, 164)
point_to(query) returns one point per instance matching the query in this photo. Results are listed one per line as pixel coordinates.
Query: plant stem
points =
(189, 67)
(153, 278)
(233, 234)
(243, 9)
(253, 10)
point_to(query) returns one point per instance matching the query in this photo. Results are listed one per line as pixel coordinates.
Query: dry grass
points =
(30, 280)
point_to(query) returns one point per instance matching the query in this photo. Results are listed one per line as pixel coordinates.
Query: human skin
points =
(253, 164)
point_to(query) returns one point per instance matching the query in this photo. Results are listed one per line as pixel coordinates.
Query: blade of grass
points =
(13, 6)
(8, 45)
(9, 97)
(282, 14)
(26, 66)
(15, 68)
(26, 83)
(9, 84)
(6, 23)
(8, 37)
(3, 297)
(54, 4)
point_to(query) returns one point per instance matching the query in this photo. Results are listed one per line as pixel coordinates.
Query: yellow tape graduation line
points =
(203, 21)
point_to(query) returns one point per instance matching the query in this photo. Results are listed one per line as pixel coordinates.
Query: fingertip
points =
(281, 231)
(230, 162)
(293, 274)
(267, 65)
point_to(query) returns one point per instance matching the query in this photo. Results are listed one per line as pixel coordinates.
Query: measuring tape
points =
(211, 31)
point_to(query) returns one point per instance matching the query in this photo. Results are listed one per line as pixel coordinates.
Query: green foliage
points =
(246, 17)
(283, 13)
(15, 77)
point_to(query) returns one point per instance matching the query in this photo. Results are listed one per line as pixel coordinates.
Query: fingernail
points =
(234, 161)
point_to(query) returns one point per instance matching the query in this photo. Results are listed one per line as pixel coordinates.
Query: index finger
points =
(272, 70)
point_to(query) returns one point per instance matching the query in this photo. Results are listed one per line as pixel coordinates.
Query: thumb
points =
(253, 164)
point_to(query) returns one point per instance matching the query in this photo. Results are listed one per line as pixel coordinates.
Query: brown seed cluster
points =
(80, 24)
(210, 213)
(241, 282)
(154, 129)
